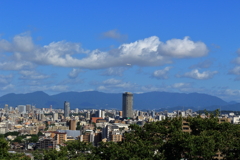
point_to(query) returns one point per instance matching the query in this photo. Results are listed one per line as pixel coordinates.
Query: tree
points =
(40, 134)
(163, 140)
(18, 139)
(4, 155)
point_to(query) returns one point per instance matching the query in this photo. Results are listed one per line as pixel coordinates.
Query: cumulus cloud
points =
(183, 48)
(204, 64)
(114, 71)
(7, 87)
(226, 94)
(71, 81)
(114, 85)
(32, 75)
(181, 85)
(195, 74)
(146, 52)
(236, 69)
(16, 65)
(114, 34)
(5, 79)
(161, 74)
(74, 73)
(20, 43)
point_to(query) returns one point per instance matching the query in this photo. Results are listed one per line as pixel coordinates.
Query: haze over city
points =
(113, 47)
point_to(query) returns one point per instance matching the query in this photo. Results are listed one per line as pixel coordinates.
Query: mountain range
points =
(100, 100)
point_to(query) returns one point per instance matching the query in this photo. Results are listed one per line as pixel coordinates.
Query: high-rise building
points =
(28, 108)
(88, 115)
(103, 114)
(127, 105)
(55, 116)
(72, 125)
(76, 110)
(6, 107)
(98, 113)
(120, 113)
(153, 113)
(21, 108)
(66, 109)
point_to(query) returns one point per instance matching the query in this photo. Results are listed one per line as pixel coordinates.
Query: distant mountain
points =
(232, 102)
(99, 100)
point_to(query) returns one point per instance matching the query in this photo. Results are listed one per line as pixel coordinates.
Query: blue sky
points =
(118, 46)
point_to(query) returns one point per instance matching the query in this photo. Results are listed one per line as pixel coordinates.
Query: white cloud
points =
(112, 81)
(226, 94)
(7, 87)
(114, 85)
(29, 75)
(235, 70)
(74, 73)
(21, 43)
(147, 52)
(114, 71)
(161, 74)
(5, 79)
(15, 65)
(181, 85)
(114, 34)
(182, 48)
(195, 74)
(70, 82)
(204, 64)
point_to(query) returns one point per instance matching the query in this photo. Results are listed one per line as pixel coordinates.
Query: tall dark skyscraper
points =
(66, 109)
(127, 105)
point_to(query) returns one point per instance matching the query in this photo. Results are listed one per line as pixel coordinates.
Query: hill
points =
(100, 100)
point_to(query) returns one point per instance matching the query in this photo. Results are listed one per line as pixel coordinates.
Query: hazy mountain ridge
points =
(100, 100)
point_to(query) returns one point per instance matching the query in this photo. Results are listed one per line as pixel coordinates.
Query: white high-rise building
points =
(6, 107)
(21, 108)
(66, 109)
(103, 114)
(55, 116)
(98, 113)
(76, 110)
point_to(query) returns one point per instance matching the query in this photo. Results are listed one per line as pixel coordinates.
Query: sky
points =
(118, 46)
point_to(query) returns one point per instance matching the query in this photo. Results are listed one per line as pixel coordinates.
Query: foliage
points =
(40, 134)
(162, 140)
(78, 126)
(4, 155)
(11, 133)
(34, 138)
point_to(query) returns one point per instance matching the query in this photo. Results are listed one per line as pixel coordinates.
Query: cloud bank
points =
(146, 52)
(161, 74)
(195, 74)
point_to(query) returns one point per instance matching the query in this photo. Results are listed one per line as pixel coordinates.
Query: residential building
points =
(72, 125)
(47, 143)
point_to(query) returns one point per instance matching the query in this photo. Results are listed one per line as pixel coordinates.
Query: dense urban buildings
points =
(127, 105)
(50, 128)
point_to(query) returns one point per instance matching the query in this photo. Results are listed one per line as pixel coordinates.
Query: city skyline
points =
(114, 47)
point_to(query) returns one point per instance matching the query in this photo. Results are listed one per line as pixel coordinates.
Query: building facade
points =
(127, 105)
(73, 125)
(66, 109)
